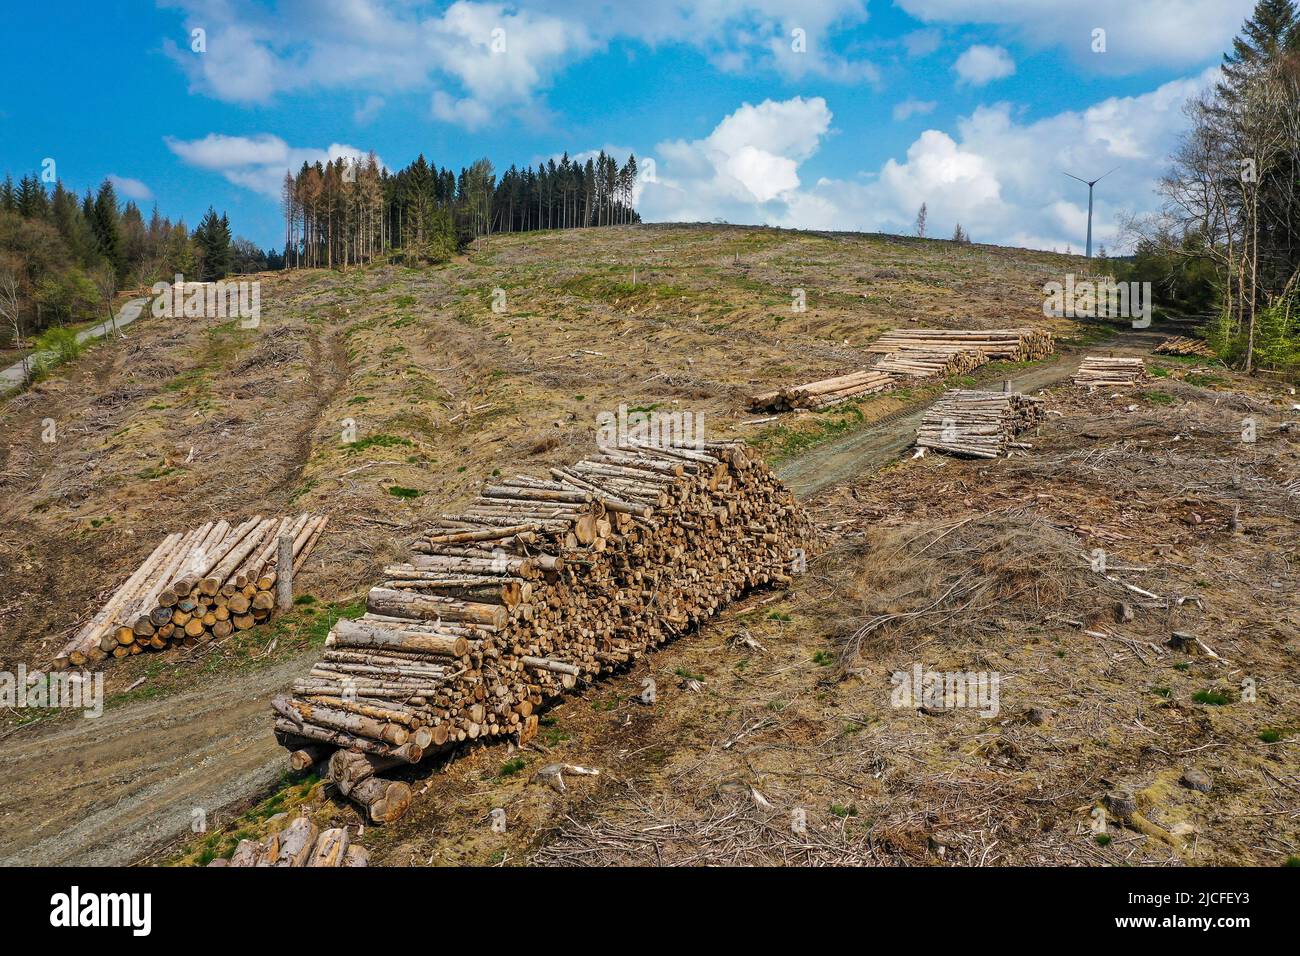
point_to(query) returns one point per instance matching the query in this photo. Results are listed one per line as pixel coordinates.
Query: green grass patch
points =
(1214, 698)
(406, 494)
(378, 441)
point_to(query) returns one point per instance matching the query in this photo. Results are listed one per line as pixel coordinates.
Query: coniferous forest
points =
(346, 212)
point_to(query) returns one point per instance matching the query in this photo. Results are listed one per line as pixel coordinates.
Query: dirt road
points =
(113, 788)
(826, 465)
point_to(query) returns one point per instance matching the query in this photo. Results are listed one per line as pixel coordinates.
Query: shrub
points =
(56, 346)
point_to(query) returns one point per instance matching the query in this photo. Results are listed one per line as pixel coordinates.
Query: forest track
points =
(132, 779)
(873, 446)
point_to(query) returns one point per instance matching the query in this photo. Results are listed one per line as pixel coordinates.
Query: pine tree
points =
(921, 215)
(31, 199)
(1271, 30)
(105, 222)
(213, 240)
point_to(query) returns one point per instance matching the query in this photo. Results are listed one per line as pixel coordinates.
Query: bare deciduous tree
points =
(10, 307)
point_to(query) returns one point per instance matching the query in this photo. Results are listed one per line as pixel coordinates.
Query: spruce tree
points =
(31, 199)
(1272, 29)
(106, 226)
(213, 239)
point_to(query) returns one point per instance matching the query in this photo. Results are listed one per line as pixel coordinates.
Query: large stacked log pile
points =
(1018, 345)
(1179, 345)
(978, 424)
(930, 361)
(301, 843)
(1099, 371)
(823, 394)
(537, 585)
(205, 583)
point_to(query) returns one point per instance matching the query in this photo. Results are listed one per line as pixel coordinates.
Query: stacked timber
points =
(930, 361)
(205, 583)
(1179, 345)
(536, 586)
(978, 424)
(1101, 371)
(1018, 345)
(823, 394)
(301, 843)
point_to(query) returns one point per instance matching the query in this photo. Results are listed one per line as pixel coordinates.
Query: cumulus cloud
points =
(746, 170)
(481, 62)
(909, 108)
(130, 188)
(982, 64)
(1169, 33)
(257, 162)
(482, 57)
(1001, 178)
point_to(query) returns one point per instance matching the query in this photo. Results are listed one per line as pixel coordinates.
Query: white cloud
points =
(130, 188)
(745, 170)
(909, 108)
(482, 56)
(484, 62)
(982, 64)
(257, 162)
(467, 112)
(1000, 178)
(368, 110)
(1177, 33)
(921, 43)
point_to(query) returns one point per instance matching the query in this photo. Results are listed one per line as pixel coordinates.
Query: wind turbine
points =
(1090, 185)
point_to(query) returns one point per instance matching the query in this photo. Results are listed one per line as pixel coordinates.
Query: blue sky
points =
(820, 113)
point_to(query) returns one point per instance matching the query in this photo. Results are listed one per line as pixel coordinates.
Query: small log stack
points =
(1179, 345)
(978, 424)
(539, 584)
(1100, 371)
(301, 843)
(823, 394)
(205, 583)
(1018, 345)
(930, 361)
